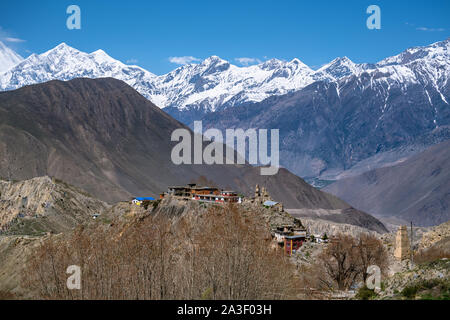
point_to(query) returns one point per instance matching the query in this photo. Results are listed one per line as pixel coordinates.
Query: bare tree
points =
(340, 262)
(224, 253)
(370, 251)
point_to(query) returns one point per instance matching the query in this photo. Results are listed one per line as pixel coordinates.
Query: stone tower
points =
(265, 194)
(257, 191)
(402, 250)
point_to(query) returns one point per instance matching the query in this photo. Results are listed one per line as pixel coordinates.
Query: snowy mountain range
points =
(64, 63)
(215, 84)
(209, 85)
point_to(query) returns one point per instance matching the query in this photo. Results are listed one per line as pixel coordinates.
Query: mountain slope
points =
(8, 58)
(104, 137)
(41, 205)
(417, 189)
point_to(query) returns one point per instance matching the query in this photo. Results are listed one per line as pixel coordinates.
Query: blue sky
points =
(149, 32)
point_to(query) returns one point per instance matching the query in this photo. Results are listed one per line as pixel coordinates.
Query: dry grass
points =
(7, 295)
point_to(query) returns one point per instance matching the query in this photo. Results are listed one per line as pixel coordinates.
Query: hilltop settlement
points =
(205, 223)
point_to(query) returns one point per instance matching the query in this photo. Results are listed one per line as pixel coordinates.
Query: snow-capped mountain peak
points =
(61, 49)
(213, 60)
(339, 68)
(8, 58)
(433, 51)
(271, 64)
(297, 62)
(65, 62)
(101, 57)
(102, 54)
(214, 64)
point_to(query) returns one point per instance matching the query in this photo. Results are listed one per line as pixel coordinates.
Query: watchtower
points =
(402, 250)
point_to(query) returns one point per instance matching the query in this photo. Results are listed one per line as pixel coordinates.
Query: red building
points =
(293, 243)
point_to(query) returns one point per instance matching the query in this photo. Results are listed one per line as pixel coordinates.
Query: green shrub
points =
(365, 293)
(427, 296)
(410, 292)
(442, 287)
(446, 295)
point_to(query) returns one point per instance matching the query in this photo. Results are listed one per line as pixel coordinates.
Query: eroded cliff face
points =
(320, 227)
(40, 205)
(438, 236)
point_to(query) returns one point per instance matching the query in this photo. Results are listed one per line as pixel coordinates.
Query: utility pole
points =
(411, 249)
